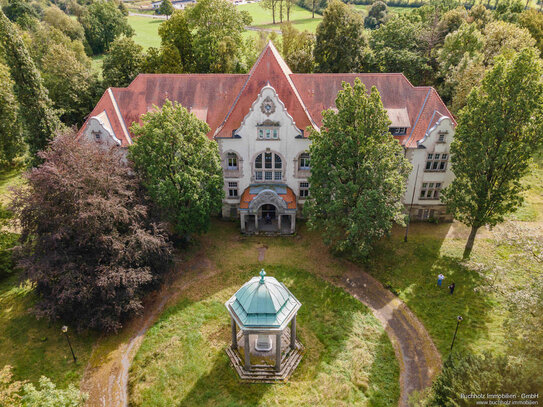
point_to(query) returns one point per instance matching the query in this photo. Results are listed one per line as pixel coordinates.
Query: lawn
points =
(146, 29)
(299, 17)
(349, 359)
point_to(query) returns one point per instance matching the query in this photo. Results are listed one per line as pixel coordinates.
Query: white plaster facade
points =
(290, 144)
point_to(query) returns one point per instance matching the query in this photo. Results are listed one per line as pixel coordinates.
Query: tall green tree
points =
(499, 130)
(179, 165)
(103, 21)
(61, 21)
(398, 47)
(39, 119)
(341, 45)
(297, 48)
(122, 63)
(177, 33)
(532, 20)
(358, 173)
(218, 44)
(11, 141)
(377, 15)
(165, 8)
(72, 86)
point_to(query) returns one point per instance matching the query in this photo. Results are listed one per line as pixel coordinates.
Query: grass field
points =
(349, 359)
(146, 31)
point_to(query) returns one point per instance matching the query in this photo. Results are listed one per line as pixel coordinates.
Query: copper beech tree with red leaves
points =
(88, 240)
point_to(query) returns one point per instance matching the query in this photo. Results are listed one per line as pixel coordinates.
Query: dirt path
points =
(107, 383)
(418, 357)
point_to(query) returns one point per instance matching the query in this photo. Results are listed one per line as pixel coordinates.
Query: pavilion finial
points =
(262, 274)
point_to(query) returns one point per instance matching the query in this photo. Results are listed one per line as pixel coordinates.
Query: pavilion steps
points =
(267, 373)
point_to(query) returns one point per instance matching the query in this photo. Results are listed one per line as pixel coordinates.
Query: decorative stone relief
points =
(267, 107)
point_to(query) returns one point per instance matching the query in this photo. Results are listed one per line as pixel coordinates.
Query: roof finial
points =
(262, 274)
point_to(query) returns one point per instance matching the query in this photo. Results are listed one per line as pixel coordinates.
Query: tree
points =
(103, 22)
(341, 45)
(358, 173)
(88, 240)
(17, 9)
(468, 373)
(297, 48)
(39, 119)
(47, 395)
(218, 43)
(498, 132)
(377, 15)
(165, 8)
(397, 47)
(179, 165)
(10, 389)
(270, 5)
(176, 32)
(501, 36)
(72, 86)
(479, 15)
(122, 63)
(11, 140)
(532, 20)
(55, 17)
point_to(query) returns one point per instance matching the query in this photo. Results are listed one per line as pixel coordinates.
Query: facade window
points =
(430, 190)
(304, 161)
(232, 189)
(268, 133)
(436, 162)
(398, 131)
(441, 138)
(232, 161)
(267, 166)
(304, 190)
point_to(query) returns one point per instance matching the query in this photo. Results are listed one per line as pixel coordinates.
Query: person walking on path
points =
(451, 288)
(440, 279)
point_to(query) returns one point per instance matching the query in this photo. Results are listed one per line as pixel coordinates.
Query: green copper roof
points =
(263, 302)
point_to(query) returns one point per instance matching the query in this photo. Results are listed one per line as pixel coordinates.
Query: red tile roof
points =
(247, 197)
(223, 100)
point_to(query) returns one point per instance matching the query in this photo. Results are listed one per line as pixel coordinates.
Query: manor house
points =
(259, 121)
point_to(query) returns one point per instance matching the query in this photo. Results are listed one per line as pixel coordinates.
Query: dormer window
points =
(398, 131)
(268, 130)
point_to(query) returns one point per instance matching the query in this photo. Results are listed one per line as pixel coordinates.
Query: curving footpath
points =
(107, 384)
(418, 356)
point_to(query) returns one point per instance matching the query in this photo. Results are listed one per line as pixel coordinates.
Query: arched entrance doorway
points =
(268, 218)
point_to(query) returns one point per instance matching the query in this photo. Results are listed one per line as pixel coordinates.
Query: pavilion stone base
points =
(263, 371)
